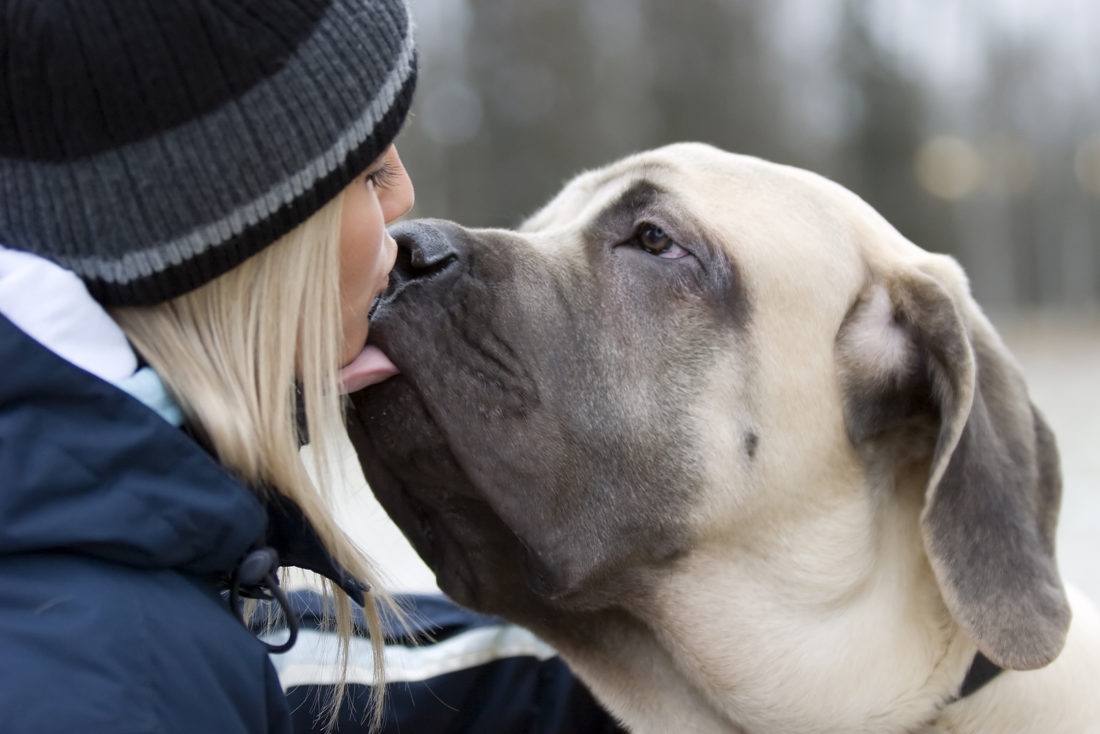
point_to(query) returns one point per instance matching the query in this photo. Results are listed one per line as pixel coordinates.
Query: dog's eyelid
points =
(656, 219)
(678, 229)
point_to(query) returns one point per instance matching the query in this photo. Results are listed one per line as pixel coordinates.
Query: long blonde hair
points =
(238, 354)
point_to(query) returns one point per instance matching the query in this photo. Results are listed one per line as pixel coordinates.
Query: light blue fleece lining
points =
(146, 386)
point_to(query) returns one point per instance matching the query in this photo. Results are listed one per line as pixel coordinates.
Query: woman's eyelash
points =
(381, 177)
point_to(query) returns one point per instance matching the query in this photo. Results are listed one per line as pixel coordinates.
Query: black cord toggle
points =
(256, 566)
(255, 578)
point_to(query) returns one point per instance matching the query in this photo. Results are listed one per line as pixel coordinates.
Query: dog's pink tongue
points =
(370, 367)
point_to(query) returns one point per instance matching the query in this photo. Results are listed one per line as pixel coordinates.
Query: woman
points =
(192, 207)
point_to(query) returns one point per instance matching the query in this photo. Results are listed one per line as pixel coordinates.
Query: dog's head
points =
(690, 348)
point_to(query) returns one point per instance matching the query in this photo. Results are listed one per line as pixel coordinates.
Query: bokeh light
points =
(949, 167)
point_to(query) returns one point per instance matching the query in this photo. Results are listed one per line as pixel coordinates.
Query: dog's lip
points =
(369, 367)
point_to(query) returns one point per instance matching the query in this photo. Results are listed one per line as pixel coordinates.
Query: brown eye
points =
(656, 241)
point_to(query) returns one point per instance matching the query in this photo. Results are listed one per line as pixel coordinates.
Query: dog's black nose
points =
(427, 246)
(424, 249)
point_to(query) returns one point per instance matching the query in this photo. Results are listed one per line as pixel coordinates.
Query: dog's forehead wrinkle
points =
(599, 195)
(622, 205)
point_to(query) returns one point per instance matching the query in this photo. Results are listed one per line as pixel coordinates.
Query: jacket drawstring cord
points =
(255, 578)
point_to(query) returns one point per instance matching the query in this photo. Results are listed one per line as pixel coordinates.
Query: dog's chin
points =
(430, 536)
(412, 470)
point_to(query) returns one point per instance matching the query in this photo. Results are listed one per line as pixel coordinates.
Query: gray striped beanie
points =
(151, 145)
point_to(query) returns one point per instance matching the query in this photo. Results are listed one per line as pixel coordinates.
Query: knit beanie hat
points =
(151, 145)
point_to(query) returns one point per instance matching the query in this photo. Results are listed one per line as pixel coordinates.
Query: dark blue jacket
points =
(117, 533)
(114, 530)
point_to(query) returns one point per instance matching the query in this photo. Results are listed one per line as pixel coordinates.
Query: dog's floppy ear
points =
(915, 347)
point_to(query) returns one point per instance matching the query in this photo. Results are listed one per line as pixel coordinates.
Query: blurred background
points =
(974, 127)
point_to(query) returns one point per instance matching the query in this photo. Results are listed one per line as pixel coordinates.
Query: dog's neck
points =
(816, 651)
(635, 677)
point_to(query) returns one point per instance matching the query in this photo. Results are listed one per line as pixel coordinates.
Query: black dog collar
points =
(982, 670)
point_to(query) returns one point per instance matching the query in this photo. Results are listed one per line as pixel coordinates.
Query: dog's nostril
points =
(426, 248)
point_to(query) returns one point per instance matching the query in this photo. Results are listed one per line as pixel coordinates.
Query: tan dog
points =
(750, 459)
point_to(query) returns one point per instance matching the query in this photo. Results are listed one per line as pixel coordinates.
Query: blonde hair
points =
(238, 354)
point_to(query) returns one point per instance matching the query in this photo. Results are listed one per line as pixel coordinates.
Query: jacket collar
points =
(89, 469)
(52, 307)
(170, 503)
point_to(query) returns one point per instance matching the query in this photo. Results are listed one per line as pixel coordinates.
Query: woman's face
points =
(367, 252)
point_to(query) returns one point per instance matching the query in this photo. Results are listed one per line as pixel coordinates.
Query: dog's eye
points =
(656, 241)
